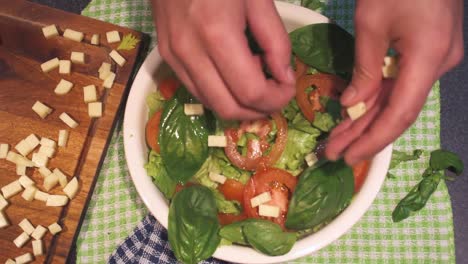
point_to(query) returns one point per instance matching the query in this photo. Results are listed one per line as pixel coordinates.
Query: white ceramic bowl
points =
(136, 152)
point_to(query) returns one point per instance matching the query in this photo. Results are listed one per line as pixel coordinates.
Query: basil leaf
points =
(320, 195)
(401, 156)
(233, 232)
(326, 47)
(316, 5)
(268, 237)
(446, 160)
(417, 198)
(193, 224)
(183, 139)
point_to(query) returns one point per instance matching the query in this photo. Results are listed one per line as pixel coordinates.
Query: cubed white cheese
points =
(38, 248)
(109, 81)
(10, 261)
(23, 148)
(357, 110)
(64, 67)
(20, 170)
(48, 151)
(4, 148)
(54, 228)
(39, 232)
(95, 39)
(48, 142)
(11, 189)
(72, 188)
(268, 210)
(104, 70)
(113, 36)
(3, 220)
(28, 193)
(89, 94)
(50, 181)
(41, 109)
(20, 160)
(33, 141)
(62, 178)
(63, 138)
(27, 227)
(40, 159)
(73, 35)
(25, 258)
(50, 65)
(41, 196)
(13, 157)
(77, 57)
(193, 109)
(311, 159)
(25, 181)
(390, 67)
(68, 120)
(50, 31)
(217, 141)
(217, 177)
(95, 109)
(260, 199)
(57, 200)
(3, 202)
(117, 58)
(21, 240)
(44, 171)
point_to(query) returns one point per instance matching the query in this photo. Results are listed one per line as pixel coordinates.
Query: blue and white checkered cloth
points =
(148, 244)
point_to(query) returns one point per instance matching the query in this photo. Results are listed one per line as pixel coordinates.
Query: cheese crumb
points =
(113, 36)
(54, 228)
(73, 35)
(68, 120)
(357, 110)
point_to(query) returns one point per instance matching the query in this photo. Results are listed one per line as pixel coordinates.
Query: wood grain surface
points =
(22, 49)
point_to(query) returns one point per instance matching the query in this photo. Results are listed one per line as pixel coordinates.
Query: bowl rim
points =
(136, 156)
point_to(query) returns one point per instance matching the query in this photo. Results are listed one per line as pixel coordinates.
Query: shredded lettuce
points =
(155, 101)
(226, 206)
(161, 178)
(324, 121)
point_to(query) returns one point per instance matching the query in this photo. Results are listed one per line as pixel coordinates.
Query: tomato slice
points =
(279, 183)
(360, 172)
(232, 190)
(301, 67)
(152, 131)
(179, 187)
(256, 148)
(326, 85)
(226, 219)
(168, 87)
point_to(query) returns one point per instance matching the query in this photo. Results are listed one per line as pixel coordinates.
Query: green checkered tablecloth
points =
(427, 237)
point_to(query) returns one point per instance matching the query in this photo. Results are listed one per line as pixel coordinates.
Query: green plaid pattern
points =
(427, 237)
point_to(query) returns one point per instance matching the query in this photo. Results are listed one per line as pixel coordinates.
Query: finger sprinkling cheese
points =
(50, 65)
(11, 189)
(21, 240)
(27, 227)
(113, 36)
(73, 35)
(25, 181)
(33, 141)
(260, 199)
(311, 159)
(44, 171)
(104, 70)
(95, 109)
(28, 193)
(50, 31)
(217, 177)
(62, 178)
(117, 58)
(68, 120)
(109, 81)
(41, 109)
(50, 181)
(3, 220)
(3, 202)
(41, 196)
(39, 232)
(40, 159)
(23, 148)
(89, 94)
(57, 200)
(193, 109)
(268, 210)
(77, 57)
(95, 39)
(54, 228)
(64, 67)
(38, 247)
(4, 148)
(63, 87)
(357, 110)
(63, 138)
(217, 141)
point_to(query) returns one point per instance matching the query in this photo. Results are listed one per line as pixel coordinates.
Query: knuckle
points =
(164, 50)
(250, 96)
(214, 34)
(407, 118)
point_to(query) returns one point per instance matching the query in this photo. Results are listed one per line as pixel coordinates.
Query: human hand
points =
(205, 44)
(428, 37)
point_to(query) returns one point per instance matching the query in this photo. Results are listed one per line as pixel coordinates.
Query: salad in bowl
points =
(252, 191)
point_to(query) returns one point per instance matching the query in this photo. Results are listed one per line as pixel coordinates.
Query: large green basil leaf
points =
(183, 139)
(321, 193)
(446, 160)
(234, 233)
(193, 224)
(326, 47)
(268, 237)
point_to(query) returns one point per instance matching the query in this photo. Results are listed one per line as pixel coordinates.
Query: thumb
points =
(370, 50)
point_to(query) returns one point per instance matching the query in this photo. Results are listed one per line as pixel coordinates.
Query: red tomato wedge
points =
(279, 183)
(152, 131)
(168, 87)
(226, 219)
(360, 172)
(232, 190)
(301, 67)
(254, 158)
(326, 85)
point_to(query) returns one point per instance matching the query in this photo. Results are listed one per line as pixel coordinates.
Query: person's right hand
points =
(204, 42)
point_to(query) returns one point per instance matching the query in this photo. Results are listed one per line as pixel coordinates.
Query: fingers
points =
(271, 35)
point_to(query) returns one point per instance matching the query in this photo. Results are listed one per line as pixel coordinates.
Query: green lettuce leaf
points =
(226, 206)
(155, 102)
(158, 172)
(324, 121)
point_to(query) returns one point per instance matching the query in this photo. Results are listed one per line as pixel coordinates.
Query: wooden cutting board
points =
(22, 49)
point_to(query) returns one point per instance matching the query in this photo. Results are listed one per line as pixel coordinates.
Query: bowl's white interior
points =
(136, 152)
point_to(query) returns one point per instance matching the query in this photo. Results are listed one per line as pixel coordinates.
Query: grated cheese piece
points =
(4, 148)
(41, 109)
(50, 65)
(193, 109)
(21, 240)
(11, 189)
(68, 120)
(38, 247)
(260, 199)
(113, 36)
(39, 232)
(73, 35)
(357, 110)
(63, 138)
(27, 227)
(64, 67)
(54, 228)
(268, 210)
(57, 200)
(217, 177)
(311, 159)
(117, 58)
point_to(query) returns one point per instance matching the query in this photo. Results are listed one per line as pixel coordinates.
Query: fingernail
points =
(348, 95)
(290, 75)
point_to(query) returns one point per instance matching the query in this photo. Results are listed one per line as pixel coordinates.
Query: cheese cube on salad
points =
(268, 210)
(217, 141)
(260, 199)
(357, 110)
(193, 109)
(217, 177)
